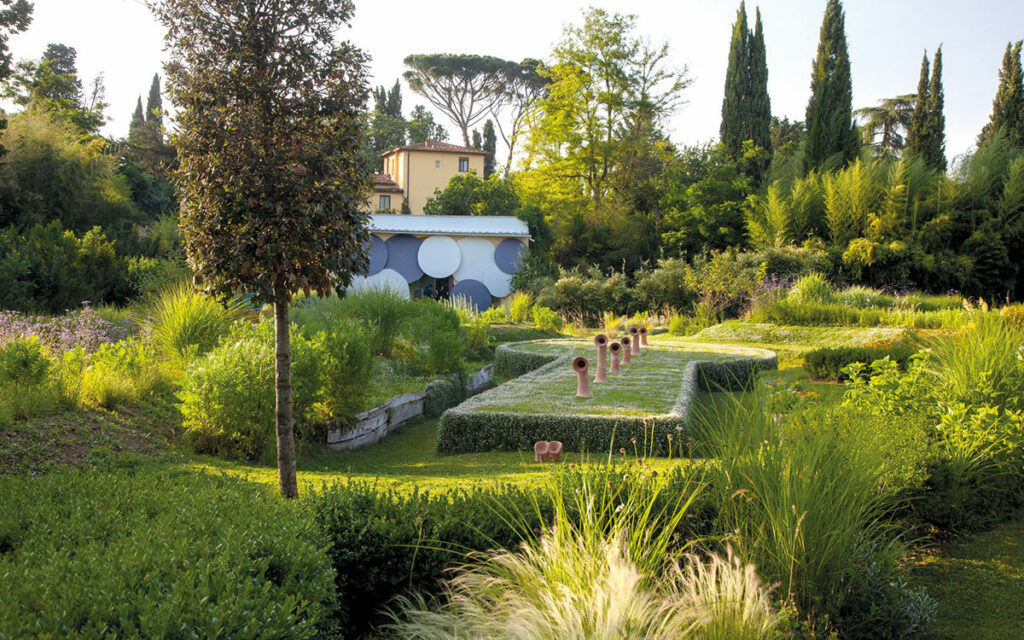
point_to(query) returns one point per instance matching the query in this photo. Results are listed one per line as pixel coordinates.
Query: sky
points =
(886, 38)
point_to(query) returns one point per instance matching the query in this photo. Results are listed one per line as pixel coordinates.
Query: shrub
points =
(864, 298)
(23, 362)
(665, 286)
(443, 394)
(1013, 315)
(122, 371)
(384, 311)
(813, 288)
(344, 361)
(510, 362)
(683, 325)
(151, 276)
(828, 363)
(545, 318)
(187, 323)
(84, 328)
(227, 396)
(50, 270)
(32, 385)
(982, 367)
(152, 552)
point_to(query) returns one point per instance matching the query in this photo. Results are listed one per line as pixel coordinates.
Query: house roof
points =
(434, 145)
(383, 179)
(503, 226)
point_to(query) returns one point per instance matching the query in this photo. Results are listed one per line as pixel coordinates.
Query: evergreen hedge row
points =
(465, 429)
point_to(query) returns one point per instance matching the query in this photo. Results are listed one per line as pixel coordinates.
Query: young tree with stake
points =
(268, 133)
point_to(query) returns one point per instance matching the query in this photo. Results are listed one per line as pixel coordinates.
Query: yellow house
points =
(412, 173)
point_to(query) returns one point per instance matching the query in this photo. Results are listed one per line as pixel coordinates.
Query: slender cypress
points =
(918, 134)
(732, 131)
(490, 146)
(935, 150)
(760, 102)
(138, 119)
(154, 105)
(831, 136)
(1008, 105)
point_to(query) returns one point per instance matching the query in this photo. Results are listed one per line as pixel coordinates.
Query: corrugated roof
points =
(503, 226)
(434, 145)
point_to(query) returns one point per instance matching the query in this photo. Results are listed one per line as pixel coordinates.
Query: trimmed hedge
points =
(464, 430)
(509, 362)
(444, 393)
(828, 363)
(158, 554)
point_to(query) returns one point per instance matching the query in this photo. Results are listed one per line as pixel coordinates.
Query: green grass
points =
(408, 460)
(979, 583)
(649, 386)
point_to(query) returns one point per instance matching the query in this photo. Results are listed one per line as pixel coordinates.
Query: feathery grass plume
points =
(606, 568)
(384, 311)
(187, 323)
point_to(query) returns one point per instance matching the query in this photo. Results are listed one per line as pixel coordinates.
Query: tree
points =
(154, 107)
(477, 140)
(522, 86)
(422, 126)
(268, 131)
(138, 119)
(917, 136)
(885, 125)
(746, 107)
(605, 83)
(490, 144)
(15, 16)
(1008, 105)
(935, 148)
(463, 87)
(831, 136)
(53, 84)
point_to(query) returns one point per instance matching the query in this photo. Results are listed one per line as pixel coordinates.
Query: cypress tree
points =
(154, 106)
(831, 135)
(935, 150)
(477, 140)
(916, 137)
(138, 120)
(490, 146)
(393, 102)
(1008, 105)
(760, 102)
(732, 130)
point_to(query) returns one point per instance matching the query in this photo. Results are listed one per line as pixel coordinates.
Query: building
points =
(412, 173)
(472, 257)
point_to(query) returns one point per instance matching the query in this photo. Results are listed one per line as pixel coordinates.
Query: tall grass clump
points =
(187, 323)
(864, 298)
(383, 311)
(813, 288)
(607, 567)
(519, 306)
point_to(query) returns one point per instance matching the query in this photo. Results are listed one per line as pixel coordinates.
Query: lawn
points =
(408, 460)
(979, 583)
(649, 386)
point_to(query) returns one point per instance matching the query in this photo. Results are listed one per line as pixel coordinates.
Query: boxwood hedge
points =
(466, 428)
(828, 363)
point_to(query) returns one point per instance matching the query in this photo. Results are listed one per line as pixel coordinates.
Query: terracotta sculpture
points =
(615, 348)
(601, 341)
(635, 340)
(626, 359)
(580, 366)
(643, 336)
(544, 451)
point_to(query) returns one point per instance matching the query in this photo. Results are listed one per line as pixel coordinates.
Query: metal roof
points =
(502, 226)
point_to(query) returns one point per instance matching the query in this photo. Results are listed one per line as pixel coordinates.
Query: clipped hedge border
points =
(464, 430)
(510, 362)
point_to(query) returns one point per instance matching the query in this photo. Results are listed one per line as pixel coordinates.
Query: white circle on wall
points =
(497, 281)
(477, 257)
(439, 256)
(386, 279)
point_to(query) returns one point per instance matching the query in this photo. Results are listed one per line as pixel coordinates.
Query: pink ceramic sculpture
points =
(601, 341)
(635, 340)
(643, 336)
(544, 451)
(626, 360)
(616, 349)
(580, 366)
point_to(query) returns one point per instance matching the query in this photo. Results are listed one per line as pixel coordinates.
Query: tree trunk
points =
(283, 385)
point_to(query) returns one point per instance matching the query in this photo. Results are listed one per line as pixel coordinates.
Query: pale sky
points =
(886, 38)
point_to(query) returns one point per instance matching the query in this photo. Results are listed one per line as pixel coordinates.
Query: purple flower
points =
(81, 328)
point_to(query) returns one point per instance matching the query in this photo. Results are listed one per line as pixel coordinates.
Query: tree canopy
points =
(831, 136)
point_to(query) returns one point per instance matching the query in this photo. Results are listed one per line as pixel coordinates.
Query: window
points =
(384, 204)
(437, 164)
(463, 165)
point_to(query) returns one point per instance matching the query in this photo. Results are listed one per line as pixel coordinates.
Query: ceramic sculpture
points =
(601, 341)
(580, 366)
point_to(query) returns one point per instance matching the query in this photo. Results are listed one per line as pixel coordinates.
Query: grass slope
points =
(979, 583)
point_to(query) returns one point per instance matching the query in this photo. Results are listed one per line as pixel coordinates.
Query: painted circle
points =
(508, 255)
(378, 255)
(403, 256)
(497, 281)
(439, 256)
(475, 293)
(477, 255)
(388, 279)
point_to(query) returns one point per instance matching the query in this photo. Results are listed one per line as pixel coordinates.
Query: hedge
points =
(828, 363)
(444, 393)
(510, 362)
(158, 554)
(465, 429)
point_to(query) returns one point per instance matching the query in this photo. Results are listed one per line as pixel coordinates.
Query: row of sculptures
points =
(622, 352)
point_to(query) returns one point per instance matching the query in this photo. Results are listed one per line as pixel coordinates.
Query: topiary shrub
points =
(444, 393)
(158, 553)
